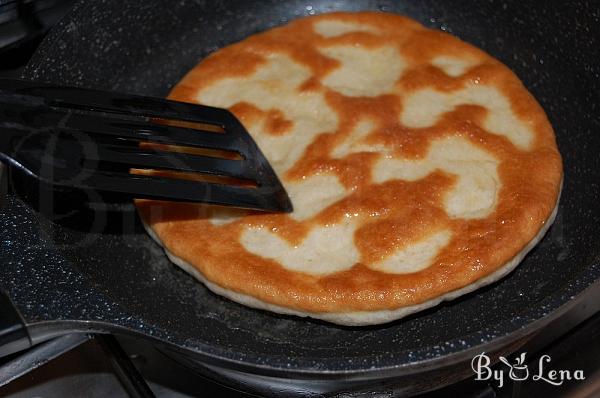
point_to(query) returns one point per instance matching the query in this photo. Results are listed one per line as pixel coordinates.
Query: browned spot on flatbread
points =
(275, 121)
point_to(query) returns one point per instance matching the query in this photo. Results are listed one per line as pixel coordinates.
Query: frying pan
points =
(106, 275)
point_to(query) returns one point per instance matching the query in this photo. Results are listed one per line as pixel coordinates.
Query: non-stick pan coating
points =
(123, 280)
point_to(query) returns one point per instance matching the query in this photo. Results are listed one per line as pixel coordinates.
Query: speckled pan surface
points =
(123, 280)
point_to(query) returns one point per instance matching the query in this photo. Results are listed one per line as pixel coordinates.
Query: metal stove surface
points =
(86, 371)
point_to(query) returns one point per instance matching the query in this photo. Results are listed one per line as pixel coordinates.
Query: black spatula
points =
(90, 139)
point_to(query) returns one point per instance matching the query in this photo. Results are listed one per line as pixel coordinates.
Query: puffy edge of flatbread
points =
(363, 318)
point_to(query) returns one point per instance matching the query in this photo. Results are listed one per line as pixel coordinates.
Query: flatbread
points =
(419, 167)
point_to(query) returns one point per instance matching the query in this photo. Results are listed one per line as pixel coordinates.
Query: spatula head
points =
(178, 151)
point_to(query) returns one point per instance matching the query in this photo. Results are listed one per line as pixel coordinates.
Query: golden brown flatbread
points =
(419, 168)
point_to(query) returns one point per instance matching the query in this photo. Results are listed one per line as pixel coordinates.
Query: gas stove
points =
(122, 366)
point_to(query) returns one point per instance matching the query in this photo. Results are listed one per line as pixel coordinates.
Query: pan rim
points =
(44, 330)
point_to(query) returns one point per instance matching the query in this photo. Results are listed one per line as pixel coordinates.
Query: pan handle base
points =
(13, 333)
